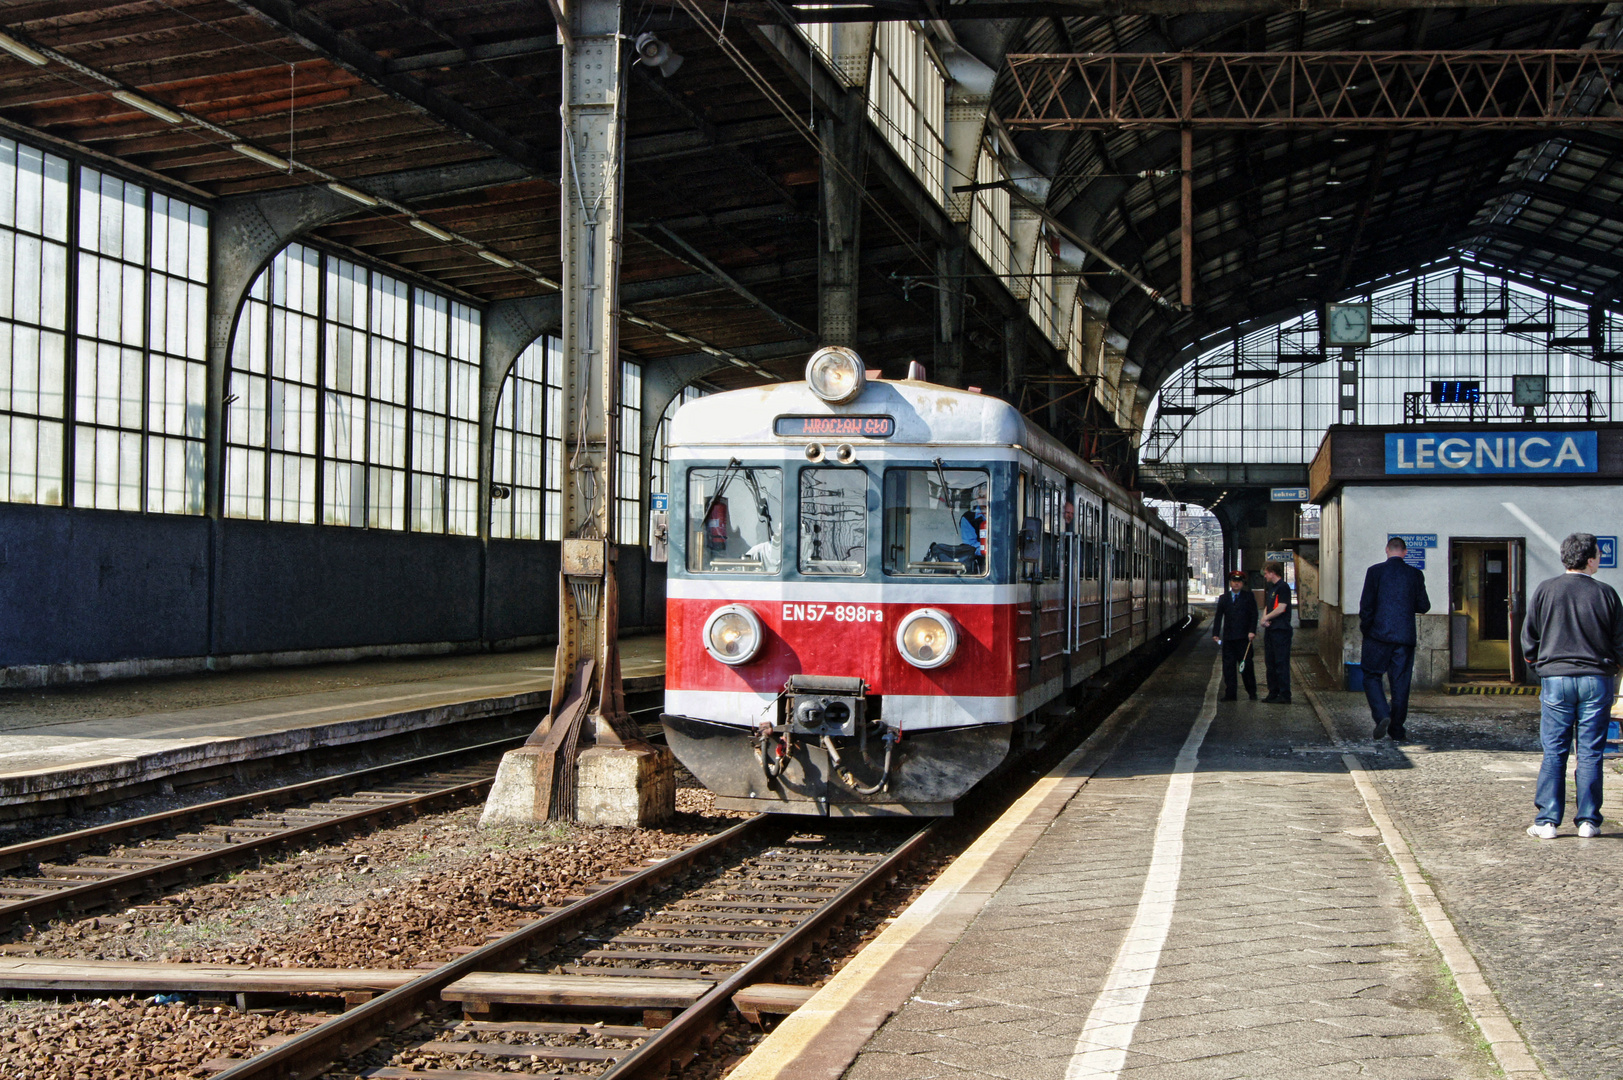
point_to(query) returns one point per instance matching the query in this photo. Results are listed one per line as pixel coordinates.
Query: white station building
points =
(1483, 509)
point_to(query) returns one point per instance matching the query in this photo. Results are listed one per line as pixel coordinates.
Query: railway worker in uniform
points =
(1394, 593)
(1573, 638)
(1235, 628)
(1277, 634)
(972, 530)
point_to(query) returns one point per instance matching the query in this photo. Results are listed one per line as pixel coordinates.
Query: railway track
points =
(78, 872)
(87, 870)
(669, 945)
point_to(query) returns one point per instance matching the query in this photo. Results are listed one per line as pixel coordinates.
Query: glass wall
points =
(1268, 396)
(628, 496)
(135, 351)
(330, 361)
(33, 323)
(907, 99)
(529, 440)
(989, 212)
(659, 465)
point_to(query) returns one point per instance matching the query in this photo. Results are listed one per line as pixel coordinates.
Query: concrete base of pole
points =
(517, 797)
(634, 788)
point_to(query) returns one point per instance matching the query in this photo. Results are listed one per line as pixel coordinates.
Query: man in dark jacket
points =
(1394, 593)
(1573, 638)
(1234, 628)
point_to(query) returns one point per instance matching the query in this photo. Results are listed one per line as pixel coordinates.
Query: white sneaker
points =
(1586, 829)
(1545, 831)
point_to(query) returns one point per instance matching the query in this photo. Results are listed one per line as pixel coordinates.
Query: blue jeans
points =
(1572, 708)
(1395, 663)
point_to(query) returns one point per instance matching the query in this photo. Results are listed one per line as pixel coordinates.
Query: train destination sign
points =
(835, 427)
(1485, 453)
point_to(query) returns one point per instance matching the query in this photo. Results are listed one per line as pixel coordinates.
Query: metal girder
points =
(871, 10)
(1407, 89)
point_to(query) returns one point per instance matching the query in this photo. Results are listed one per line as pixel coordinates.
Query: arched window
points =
(527, 467)
(659, 469)
(330, 361)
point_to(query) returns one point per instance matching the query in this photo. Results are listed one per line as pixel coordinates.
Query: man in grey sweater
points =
(1573, 638)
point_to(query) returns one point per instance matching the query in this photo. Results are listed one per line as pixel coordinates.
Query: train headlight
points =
(733, 634)
(927, 638)
(835, 374)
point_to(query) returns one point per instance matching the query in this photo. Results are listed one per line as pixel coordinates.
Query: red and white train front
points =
(843, 607)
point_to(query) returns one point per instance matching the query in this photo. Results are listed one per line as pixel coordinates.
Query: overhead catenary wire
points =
(776, 100)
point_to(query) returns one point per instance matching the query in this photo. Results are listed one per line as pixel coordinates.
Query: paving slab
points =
(1286, 946)
(147, 730)
(1541, 917)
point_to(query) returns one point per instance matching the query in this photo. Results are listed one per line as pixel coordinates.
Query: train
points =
(877, 590)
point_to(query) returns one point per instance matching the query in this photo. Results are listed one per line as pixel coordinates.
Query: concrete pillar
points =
(1015, 356)
(839, 250)
(950, 262)
(1253, 526)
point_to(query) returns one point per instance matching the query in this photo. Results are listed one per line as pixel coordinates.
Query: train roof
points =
(926, 415)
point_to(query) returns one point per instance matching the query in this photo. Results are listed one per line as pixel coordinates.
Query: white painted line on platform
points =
(1101, 1049)
(1504, 1039)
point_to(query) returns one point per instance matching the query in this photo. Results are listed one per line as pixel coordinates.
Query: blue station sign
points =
(1488, 453)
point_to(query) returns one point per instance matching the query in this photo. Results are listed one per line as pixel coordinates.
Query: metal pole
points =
(1186, 188)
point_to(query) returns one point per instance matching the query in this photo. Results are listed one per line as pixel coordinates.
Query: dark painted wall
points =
(88, 586)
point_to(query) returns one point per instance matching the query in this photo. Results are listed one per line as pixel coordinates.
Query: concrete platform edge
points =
(1510, 1051)
(60, 783)
(810, 1044)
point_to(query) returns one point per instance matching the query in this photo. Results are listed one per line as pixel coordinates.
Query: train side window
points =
(834, 521)
(735, 520)
(935, 521)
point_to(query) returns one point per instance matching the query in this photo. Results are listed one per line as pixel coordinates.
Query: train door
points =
(1107, 581)
(1072, 574)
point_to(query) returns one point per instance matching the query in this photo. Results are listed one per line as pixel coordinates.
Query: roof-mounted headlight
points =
(733, 634)
(835, 374)
(927, 638)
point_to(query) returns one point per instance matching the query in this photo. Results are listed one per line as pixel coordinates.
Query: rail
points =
(802, 924)
(231, 832)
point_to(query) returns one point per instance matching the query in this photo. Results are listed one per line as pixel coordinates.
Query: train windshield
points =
(735, 520)
(935, 521)
(834, 521)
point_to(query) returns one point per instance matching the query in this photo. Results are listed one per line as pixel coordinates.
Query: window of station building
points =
(935, 522)
(444, 416)
(353, 400)
(659, 465)
(1499, 329)
(528, 445)
(989, 215)
(130, 335)
(834, 521)
(33, 323)
(628, 474)
(735, 520)
(140, 352)
(907, 99)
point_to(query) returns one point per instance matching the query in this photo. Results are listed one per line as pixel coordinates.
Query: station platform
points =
(1208, 890)
(81, 743)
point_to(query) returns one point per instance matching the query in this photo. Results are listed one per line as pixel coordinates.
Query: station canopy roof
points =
(368, 90)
